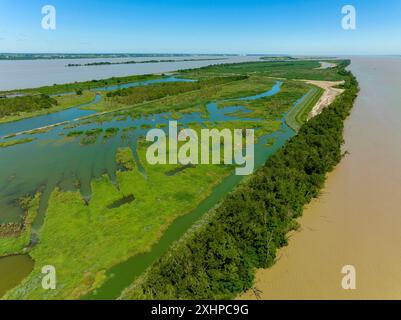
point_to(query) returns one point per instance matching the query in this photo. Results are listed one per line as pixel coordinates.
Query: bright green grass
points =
(77, 239)
(298, 116)
(278, 69)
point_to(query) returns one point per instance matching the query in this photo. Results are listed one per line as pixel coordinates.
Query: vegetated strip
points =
(107, 63)
(217, 259)
(11, 143)
(298, 116)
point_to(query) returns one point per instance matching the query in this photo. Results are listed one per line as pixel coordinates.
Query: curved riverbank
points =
(356, 220)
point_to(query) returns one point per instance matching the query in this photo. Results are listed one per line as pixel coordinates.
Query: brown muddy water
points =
(13, 269)
(357, 220)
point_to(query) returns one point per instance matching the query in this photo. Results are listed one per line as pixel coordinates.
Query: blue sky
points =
(202, 26)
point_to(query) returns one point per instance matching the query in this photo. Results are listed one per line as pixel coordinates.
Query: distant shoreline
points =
(60, 56)
(108, 63)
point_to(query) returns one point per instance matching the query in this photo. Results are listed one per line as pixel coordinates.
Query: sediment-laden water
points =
(357, 220)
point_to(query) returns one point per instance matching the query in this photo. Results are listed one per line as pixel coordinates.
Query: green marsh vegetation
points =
(298, 116)
(11, 143)
(217, 259)
(77, 235)
(125, 159)
(277, 69)
(18, 108)
(67, 236)
(18, 242)
(14, 106)
(86, 85)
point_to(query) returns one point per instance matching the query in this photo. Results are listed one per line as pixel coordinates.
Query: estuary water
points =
(22, 74)
(357, 220)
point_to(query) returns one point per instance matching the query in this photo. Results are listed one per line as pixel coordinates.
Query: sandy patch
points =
(326, 65)
(329, 95)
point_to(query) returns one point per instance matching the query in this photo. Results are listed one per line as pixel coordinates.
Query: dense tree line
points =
(217, 260)
(136, 95)
(13, 106)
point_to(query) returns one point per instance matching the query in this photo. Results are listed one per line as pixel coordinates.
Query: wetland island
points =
(77, 193)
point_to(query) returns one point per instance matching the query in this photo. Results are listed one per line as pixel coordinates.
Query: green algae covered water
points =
(13, 270)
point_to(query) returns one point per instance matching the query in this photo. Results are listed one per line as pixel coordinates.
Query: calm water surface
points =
(12, 270)
(36, 73)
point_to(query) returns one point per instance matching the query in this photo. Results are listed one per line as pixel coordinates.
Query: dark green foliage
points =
(217, 260)
(75, 133)
(91, 136)
(13, 106)
(111, 132)
(285, 69)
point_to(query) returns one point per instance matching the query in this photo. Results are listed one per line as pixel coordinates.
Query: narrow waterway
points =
(357, 220)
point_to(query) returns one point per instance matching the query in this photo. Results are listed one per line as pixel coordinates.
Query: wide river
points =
(36, 73)
(357, 220)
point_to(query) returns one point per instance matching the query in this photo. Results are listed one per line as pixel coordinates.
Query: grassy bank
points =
(31, 110)
(217, 259)
(298, 116)
(84, 85)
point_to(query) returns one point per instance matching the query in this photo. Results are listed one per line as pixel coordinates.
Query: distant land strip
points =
(135, 62)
